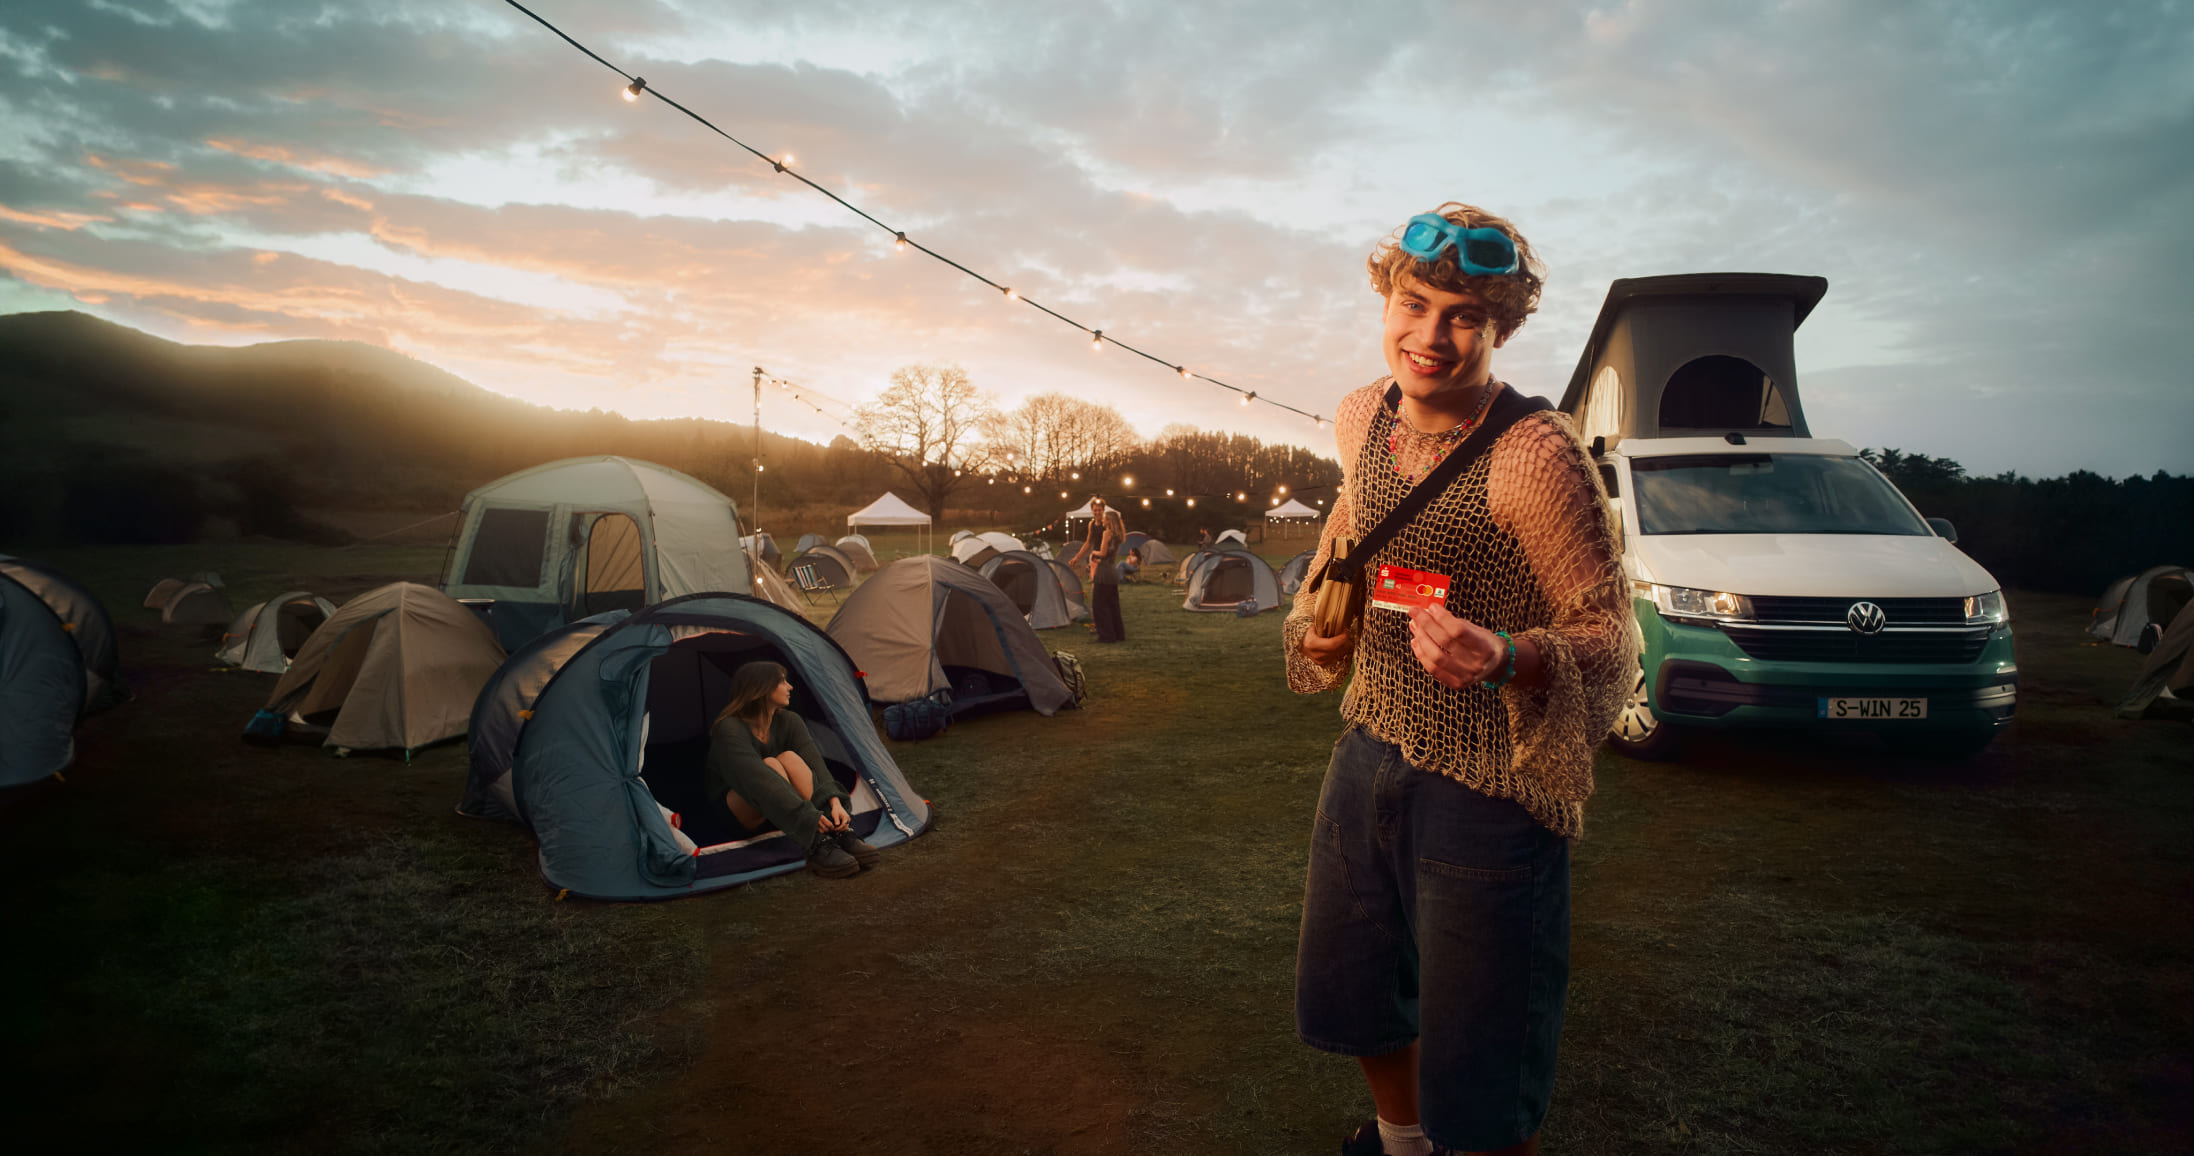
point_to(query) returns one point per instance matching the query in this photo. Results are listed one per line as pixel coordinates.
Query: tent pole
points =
(755, 517)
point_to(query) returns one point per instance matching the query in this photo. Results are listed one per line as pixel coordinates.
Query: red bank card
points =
(1397, 588)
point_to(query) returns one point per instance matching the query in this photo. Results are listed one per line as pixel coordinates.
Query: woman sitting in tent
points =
(765, 766)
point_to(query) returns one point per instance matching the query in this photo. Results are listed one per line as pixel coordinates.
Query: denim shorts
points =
(1437, 914)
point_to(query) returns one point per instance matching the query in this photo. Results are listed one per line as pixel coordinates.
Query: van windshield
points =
(1767, 494)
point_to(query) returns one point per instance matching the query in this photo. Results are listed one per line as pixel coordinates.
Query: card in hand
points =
(1399, 588)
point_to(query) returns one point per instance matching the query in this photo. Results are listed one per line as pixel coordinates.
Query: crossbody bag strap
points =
(1507, 409)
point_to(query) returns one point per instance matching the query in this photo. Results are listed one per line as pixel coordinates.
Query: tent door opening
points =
(610, 572)
(294, 622)
(1230, 581)
(688, 685)
(1018, 580)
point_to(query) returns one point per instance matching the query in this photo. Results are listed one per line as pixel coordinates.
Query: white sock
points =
(1404, 1139)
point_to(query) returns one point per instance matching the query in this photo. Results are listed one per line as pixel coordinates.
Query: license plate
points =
(1873, 708)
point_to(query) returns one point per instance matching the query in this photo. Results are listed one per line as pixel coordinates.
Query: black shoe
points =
(1365, 1142)
(828, 860)
(855, 846)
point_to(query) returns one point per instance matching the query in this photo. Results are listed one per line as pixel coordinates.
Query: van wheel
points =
(1639, 734)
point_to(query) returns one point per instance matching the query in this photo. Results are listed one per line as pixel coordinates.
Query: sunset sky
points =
(2001, 194)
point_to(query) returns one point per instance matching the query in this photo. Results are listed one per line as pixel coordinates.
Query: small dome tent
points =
(396, 668)
(57, 665)
(197, 604)
(959, 536)
(972, 551)
(576, 537)
(589, 733)
(1070, 584)
(1296, 572)
(163, 590)
(1235, 536)
(809, 542)
(1187, 569)
(267, 634)
(856, 547)
(1029, 581)
(2152, 597)
(2169, 671)
(1694, 354)
(923, 624)
(830, 563)
(760, 545)
(1230, 577)
(771, 587)
(1154, 552)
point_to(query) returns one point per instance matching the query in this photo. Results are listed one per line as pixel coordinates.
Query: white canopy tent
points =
(889, 510)
(1291, 509)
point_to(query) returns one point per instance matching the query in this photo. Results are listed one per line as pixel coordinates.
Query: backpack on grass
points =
(920, 719)
(1070, 673)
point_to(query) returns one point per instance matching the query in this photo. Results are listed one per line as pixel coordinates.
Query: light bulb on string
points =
(1062, 493)
(1192, 503)
(1096, 341)
(1128, 481)
(784, 163)
(1146, 503)
(1077, 476)
(901, 243)
(632, 91)
(1249, 397)
(1183, 371)
(1028, 489)
(1169, 492)
(1283, 489)
(1010, 294)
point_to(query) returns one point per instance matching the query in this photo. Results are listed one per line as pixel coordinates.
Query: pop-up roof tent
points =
(588, 733)
(57, 664)
(576, 537)
(830, 563)
(1694, 355)
(1032, 585)
(856, 547)
(1227, 578)
(1296, 572)
(396, 668)
(924, 624)
(267, 634)
(2131, 605)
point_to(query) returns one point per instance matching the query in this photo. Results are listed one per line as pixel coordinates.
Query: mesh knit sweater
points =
(1527, 535)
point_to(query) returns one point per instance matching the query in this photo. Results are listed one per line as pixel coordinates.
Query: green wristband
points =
(1510, 674)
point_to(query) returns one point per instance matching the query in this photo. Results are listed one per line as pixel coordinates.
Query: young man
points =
(1435, 937)
(1106, 532)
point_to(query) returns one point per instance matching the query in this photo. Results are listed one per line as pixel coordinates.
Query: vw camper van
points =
(1779, 579)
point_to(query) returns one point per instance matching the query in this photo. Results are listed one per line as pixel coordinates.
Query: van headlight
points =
(1707, 605)
(1987, 609)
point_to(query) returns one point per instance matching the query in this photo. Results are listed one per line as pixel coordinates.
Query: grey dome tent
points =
(972, 551)
(2152, 597)
(771, 587)
(587, 734)
(1032, 585)
(959, 536)
(830, 563)
(1296, 572)
(1187, 569)
(856, 547)
(760, 545)
(924, 624)
(1230, 577)
(197, 604)
(267, 634)
(579, 536)
(1235, 536)
(57, 665)
(2169, 671)
(1070, 584)
(809, 542)
(396, 668)
(165, 589)
(1154, 551)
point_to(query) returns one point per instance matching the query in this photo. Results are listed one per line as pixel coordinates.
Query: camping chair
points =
(812, 583)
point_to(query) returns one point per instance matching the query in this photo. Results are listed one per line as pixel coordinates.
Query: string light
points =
(1096, 341)
(1283, 489)
(901, 243)
(1183, 371)
(1169, 492)
(1146, 503)
(1028, 489)
(1241, 497)
(783, 165)
(1249, 397)
(1077, 475)
(1128, 481)
(1192, 503)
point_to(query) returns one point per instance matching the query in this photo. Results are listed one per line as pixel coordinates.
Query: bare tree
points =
(927, 424)
(1054, 436)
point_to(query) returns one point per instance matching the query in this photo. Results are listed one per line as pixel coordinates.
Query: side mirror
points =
(1943, 529)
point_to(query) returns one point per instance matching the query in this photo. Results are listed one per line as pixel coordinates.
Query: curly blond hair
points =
(1511, 296)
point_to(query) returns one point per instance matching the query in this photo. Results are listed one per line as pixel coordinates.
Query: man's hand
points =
(1453, 651)
(1327, 651)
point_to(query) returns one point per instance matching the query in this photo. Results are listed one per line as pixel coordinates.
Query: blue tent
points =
(589, 731)
(57, 664)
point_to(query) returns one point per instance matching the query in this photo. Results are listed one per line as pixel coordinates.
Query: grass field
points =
(1782, 944)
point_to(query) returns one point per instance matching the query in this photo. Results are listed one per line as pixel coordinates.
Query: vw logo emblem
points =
(1865, 617)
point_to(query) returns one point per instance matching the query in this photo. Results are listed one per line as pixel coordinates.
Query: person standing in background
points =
(1106, 532)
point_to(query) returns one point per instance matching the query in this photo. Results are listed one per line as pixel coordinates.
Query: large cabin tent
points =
(923, 624)
(576, 537)
(587, 735)
(57, 664)
(1032, 585)
(1691, 355)
(395, 668)
(1230, 577)
(267, 634)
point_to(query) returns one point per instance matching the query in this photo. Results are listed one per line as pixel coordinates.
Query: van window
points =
(1722, 393)
(1767, 494)
(507, 548)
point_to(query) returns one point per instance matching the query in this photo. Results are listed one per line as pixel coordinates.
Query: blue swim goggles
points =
(1481, 252)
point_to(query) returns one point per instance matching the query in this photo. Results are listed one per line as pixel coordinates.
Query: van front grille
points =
(1768, 643)
(1899, 611)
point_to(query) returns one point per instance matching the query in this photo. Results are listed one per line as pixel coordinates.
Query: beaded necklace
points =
(1452, 437)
